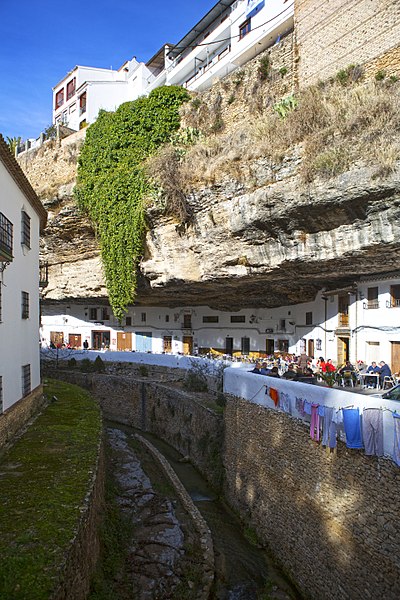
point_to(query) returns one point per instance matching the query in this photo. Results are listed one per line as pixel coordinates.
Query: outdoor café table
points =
(365, 375)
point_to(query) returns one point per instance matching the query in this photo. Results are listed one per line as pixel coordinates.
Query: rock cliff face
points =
(272, 242)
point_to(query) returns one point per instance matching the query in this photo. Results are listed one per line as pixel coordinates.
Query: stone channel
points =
(157, 561)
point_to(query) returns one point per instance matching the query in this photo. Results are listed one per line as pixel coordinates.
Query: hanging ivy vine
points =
(111, 182)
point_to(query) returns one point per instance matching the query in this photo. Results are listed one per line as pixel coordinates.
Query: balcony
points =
(6, 239)
(43, 274)
(371, 305)
(393, 303)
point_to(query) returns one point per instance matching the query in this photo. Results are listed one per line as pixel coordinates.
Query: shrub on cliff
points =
(111, 182)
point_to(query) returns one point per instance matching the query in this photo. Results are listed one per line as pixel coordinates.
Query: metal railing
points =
(393, 303)
(6, 238)
(371, 304)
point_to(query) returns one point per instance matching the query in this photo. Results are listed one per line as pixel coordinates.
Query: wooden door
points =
(75, 340)
(167, 344)
(124, 340)
(344, 310)
(395, 357)
(311, 348)
(269, 346)
(187, 344)
(343, 350)
(229, 346)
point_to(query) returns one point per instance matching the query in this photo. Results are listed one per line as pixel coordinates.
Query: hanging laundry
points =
(352, 427)
(329, 427)
(307, 407)
(314, 425)
(284, 402)
(373, 431)
(321, 410)
(396, 446)
(274, 395)
(300, 406)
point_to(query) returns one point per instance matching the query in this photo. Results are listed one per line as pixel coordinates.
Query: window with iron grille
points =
(238, 318)
(6, 238)
(0, 301)
(308, 318)
(105, 314)
(26, 380)
(93, 314)
(1, 394)
(143, 317)
(25, 229)
(24, 305)
(210, 319)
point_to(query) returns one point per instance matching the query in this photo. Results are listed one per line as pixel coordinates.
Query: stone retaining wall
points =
(205, 539)
(14, 419)
(81, 558)
(169, 413)
(330, 520)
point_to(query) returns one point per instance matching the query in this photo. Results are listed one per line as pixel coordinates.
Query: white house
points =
(22, 216)
(229, 35)
(356, 323)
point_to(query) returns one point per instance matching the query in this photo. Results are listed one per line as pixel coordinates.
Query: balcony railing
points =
(371, 304)
(6, 239)
(393, 303)
(43, 274)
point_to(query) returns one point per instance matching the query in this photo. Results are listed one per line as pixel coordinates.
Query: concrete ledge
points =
(204, 532)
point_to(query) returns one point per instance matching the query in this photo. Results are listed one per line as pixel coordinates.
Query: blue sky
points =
(41, 40)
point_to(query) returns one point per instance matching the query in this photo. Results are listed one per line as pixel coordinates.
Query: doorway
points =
(343, 350)
(269, 347)
(100, 340)
(75, 340)
(310, 351)
(187, 344)
(229, 346)
(124, 340)
(395, 357)
(167, 344)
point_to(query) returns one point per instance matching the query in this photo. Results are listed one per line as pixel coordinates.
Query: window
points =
(70, 88)
(59, 99)
(1, 395)
(245, 345)
(82, 103)
(309, 318)
(26, 380)
(238, 318)
(282, 324)
(283, 345)
(143, 317)
(25, 229)
(211, 319)
(167, 318)
(24, 305)
(93, 314)
(187, 321)
(244, 28)
(6, 238)
(128, 321)
(372, 295)
(72, 108)
(395, 295)
(105, 314)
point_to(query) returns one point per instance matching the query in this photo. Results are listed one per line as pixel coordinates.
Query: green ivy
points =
(111, 182)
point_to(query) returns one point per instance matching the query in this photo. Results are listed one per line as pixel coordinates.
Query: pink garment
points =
(314, 425)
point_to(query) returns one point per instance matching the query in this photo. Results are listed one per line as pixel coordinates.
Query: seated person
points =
(348, 368)
(256, 368)
(384, 371)
(329, 366)
(264, 370)
(274, 372)
(372, 382)
(290, 373)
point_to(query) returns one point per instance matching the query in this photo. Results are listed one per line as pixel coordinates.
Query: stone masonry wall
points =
(13, 420)
(332, 34)
(330, 520)
(171, 414)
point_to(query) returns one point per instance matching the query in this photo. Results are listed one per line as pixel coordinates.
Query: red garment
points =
(274, 395)
(329, 367)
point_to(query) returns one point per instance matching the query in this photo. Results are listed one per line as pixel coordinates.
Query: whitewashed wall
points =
(19, 338)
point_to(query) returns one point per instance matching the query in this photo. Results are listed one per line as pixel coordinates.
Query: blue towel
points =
(352, 428)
